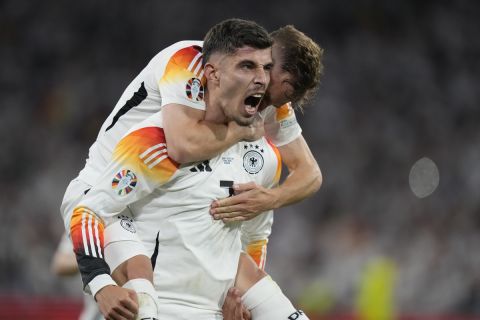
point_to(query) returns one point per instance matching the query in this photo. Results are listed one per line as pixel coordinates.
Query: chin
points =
(244, 121)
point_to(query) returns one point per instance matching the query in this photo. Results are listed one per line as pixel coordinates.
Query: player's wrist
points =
(276, 195)
(99, 282)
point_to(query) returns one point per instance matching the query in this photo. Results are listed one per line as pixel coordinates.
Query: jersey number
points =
(229, 185)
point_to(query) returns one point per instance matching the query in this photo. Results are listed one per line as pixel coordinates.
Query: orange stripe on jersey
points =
(184, 65)
(258, 251)
(145, 151)
(86, 232)
(284, 112)
(279, 162)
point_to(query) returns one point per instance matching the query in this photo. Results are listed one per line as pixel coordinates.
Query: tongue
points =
(250, 110)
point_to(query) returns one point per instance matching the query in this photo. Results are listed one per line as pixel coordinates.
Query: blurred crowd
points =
(401, 82)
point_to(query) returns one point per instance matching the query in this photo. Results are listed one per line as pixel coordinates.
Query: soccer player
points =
(136, 104)
(195, 258)
(295, 38)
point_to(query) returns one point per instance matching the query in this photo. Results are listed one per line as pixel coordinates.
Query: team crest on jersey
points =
(253, 159)
(194, 89)
(127, 223)
(124, 182)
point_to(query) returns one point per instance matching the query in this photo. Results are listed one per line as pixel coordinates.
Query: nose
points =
(262, 76)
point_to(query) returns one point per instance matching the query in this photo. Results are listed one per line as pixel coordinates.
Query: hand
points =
(252, 132)
(249, 201)
(233, 309)
(117, 303)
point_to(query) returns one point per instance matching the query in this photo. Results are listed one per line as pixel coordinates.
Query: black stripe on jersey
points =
(153, 259)
(134, 101)
(90, 267)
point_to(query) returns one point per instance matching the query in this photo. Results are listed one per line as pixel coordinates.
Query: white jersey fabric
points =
(195, 257)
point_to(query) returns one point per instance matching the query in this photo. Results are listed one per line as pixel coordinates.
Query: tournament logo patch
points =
(124, 182)
(194, 89)
(127, 223)
(253, 159)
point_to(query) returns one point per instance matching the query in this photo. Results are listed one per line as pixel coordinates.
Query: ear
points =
(210, 72)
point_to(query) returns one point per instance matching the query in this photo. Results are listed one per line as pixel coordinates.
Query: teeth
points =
(258, 95)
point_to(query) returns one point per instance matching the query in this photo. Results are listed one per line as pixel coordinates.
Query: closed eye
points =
(268, 67)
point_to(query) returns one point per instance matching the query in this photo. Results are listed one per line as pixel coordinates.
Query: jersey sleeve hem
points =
(99, 282)
(291, 138)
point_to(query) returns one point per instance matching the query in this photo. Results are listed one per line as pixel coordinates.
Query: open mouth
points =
(252, 102)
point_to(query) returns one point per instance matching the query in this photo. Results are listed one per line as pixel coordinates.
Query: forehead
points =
(261, 56)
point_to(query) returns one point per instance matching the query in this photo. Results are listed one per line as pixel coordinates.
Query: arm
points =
(139, 165)
(304, 179)
(190, 138)
(304, 176)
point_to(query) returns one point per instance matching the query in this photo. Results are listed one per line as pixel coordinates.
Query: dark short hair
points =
(301, 57)
(232, 34)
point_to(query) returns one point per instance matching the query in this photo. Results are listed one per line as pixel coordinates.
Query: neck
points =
(214, 112)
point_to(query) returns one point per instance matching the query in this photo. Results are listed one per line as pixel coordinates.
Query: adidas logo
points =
(202, 167)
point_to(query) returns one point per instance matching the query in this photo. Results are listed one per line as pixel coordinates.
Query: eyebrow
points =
(245, 61)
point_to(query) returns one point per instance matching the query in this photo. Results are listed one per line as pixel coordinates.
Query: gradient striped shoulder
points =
(145, 151)
(186, 62)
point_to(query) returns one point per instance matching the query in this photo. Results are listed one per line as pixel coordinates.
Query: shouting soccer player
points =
(143, 102)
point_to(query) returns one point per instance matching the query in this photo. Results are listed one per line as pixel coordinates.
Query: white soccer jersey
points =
(196, 257)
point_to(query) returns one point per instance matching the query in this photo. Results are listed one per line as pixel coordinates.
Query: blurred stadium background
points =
(401, 83)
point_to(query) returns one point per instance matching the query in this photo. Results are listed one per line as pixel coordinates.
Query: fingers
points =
(235, 219)
(238, 308)
(239, 197)
(222, 203)
(117, 303)
(232, 307)
(246, 314)
(131, 304)
(123, 313)
(229, 305)
(228, 211)
(242, 187)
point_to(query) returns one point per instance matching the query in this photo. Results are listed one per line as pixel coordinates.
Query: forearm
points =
(298, 185)
(86, 231)
(190, 138)
(304, 178)
(202, 140)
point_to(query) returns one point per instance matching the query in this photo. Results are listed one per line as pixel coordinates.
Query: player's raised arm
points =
(304, 179)
(304, 175)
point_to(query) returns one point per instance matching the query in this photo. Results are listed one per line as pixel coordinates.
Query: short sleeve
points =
(281, 126)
